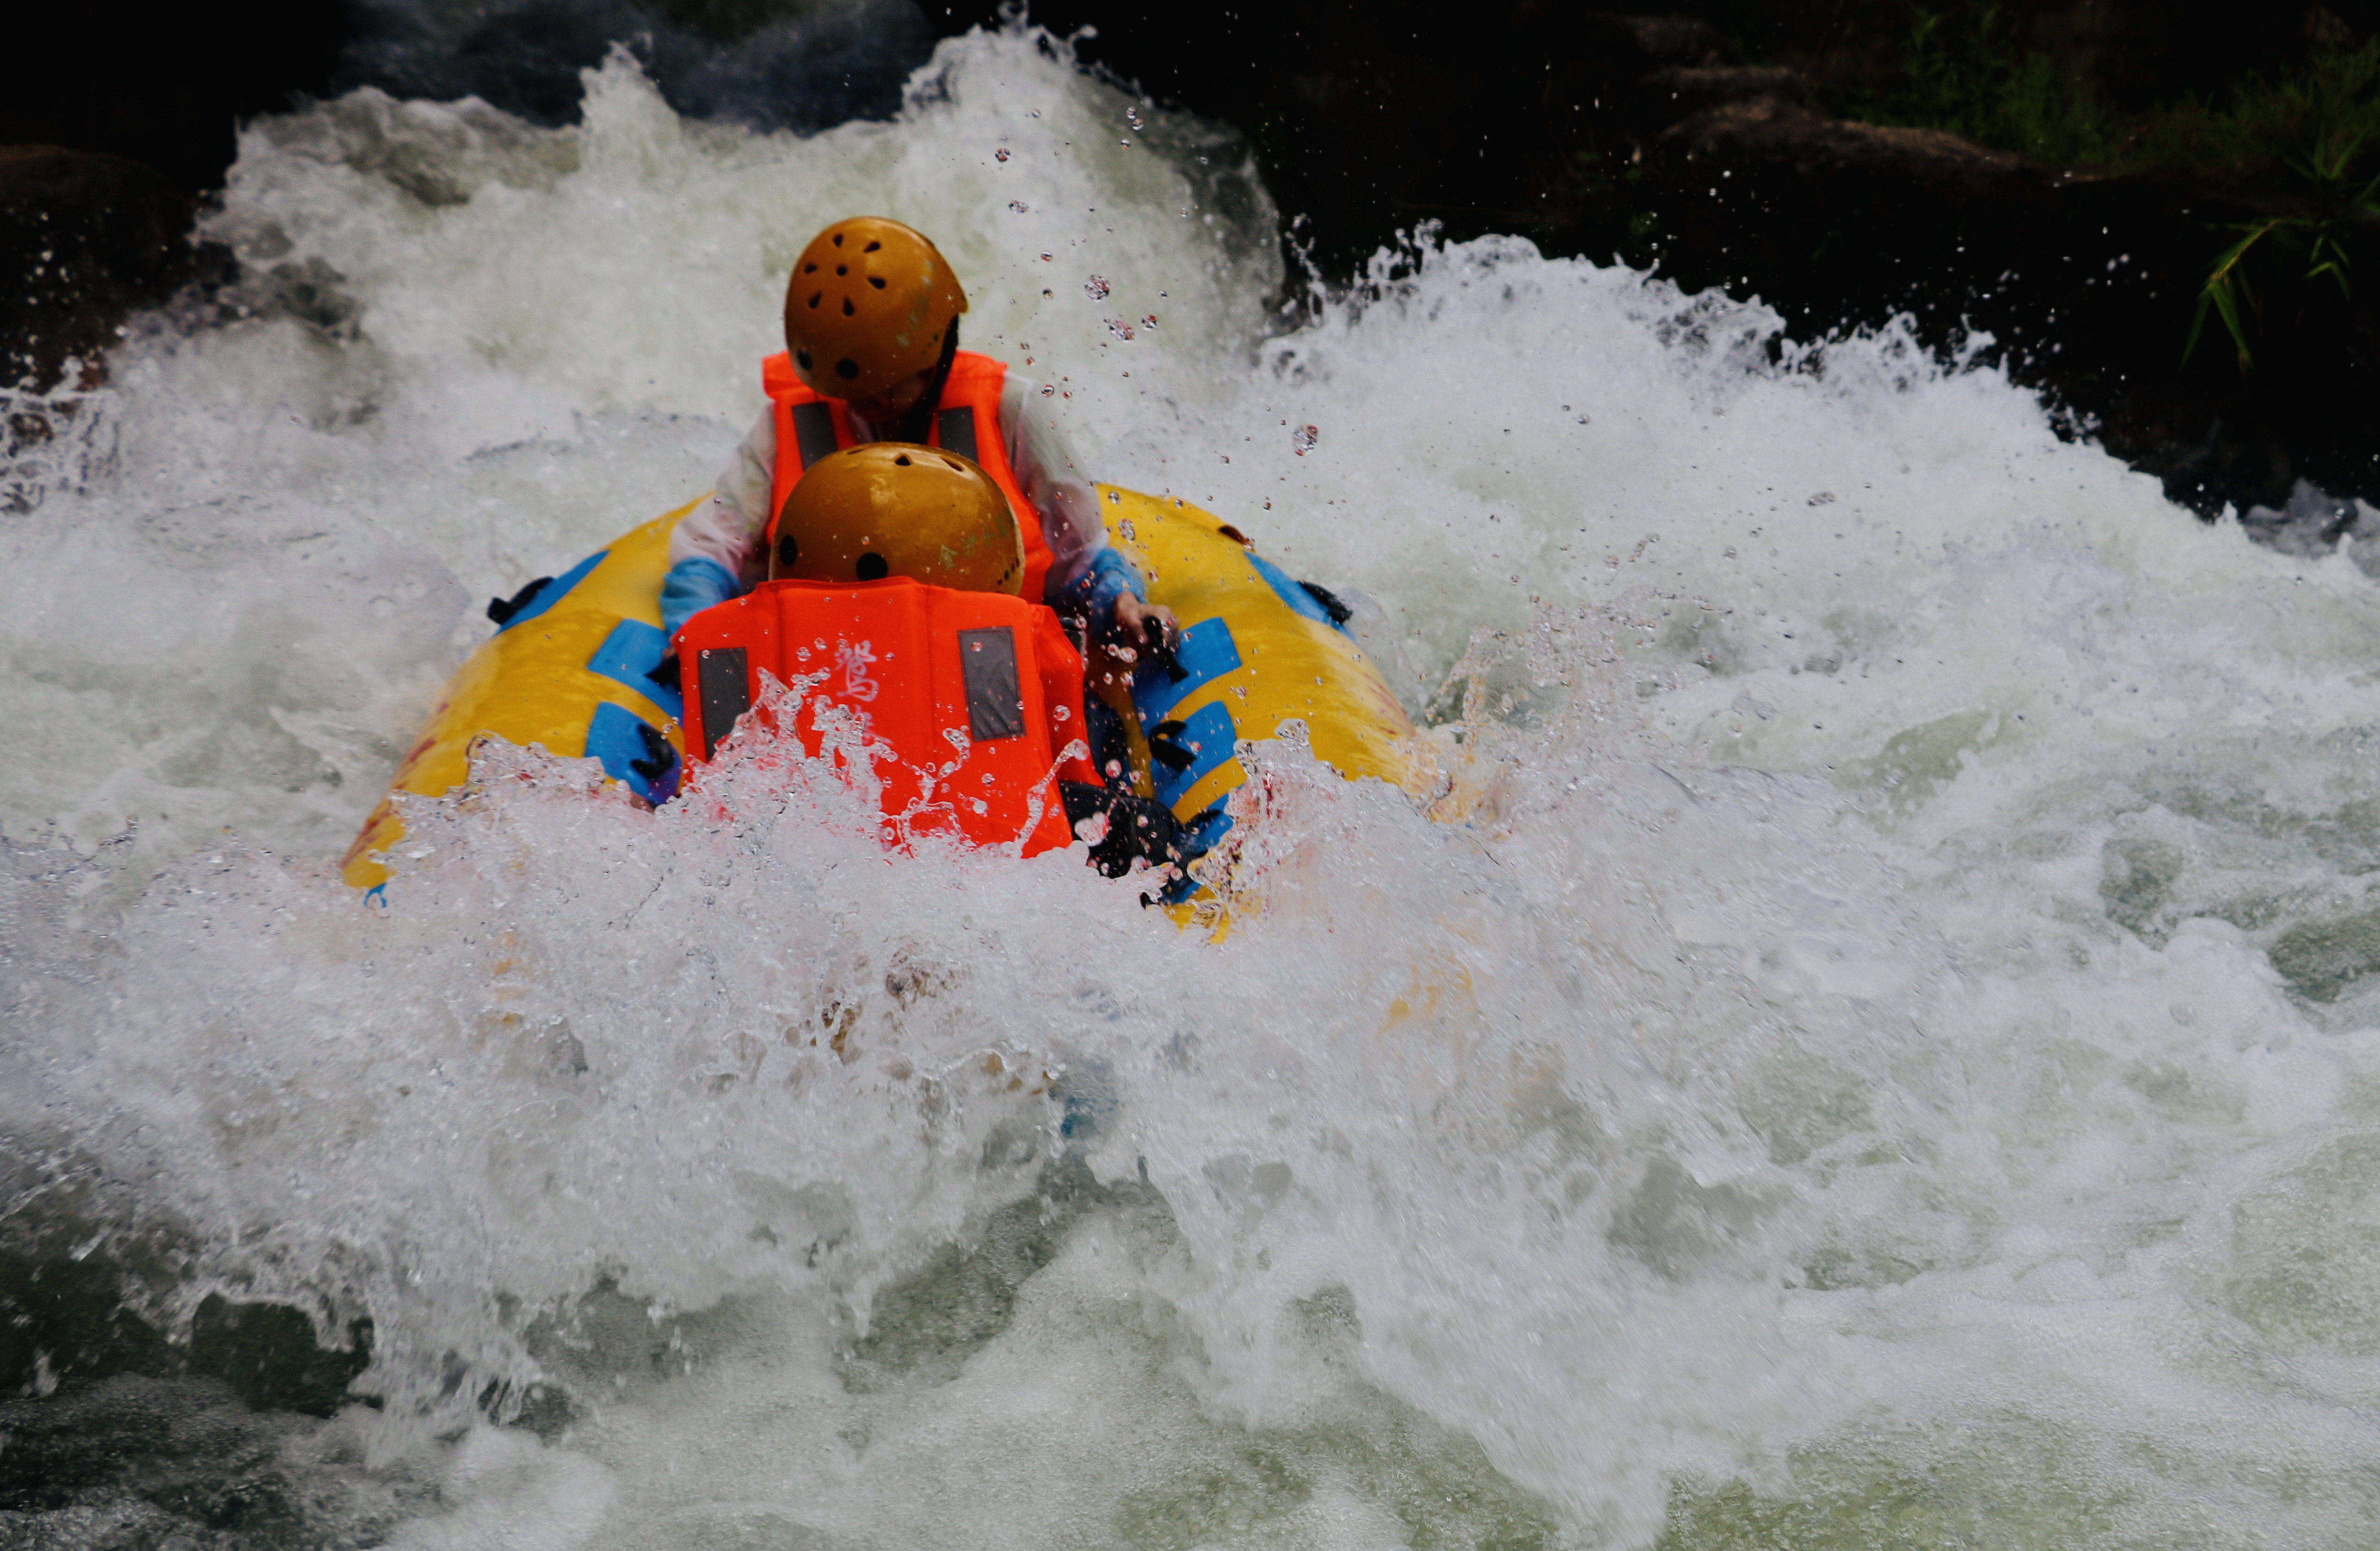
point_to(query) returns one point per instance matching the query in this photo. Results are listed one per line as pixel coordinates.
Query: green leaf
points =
(2225, 292)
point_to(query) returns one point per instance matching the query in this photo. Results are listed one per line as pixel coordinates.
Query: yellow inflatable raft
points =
(570, 669)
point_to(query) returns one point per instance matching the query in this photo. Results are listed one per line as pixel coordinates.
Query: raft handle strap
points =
(660, 758)
(1165, 745)
(1162, 652)
(502, 609)
(1340, 613)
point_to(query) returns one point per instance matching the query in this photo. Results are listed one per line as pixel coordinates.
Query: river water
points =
(1893, 1059)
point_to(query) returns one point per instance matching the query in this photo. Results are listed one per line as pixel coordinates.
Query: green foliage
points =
(2316, 126)
(2304, 248)
(2318, 132)
(1962, 72)
(2313, 131)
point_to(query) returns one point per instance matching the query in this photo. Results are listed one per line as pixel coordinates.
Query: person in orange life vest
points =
(894, 574)
(872, 336)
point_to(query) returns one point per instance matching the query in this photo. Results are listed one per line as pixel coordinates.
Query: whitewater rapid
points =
(1894, 1058)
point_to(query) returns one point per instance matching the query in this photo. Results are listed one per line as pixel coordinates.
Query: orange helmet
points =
(895, 509)
(868, 304)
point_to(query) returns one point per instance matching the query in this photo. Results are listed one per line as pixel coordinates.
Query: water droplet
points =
(1000, 156)
(1303, 438)
(1095, 288)
(1016, 205)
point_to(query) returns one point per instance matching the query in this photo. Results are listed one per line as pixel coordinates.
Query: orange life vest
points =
(967, 420)
(971, 701)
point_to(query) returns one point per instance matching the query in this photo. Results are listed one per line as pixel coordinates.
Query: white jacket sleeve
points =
(1057, 488)
(727, 527)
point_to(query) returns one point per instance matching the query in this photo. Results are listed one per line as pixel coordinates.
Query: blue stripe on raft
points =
(554, 592)
(621, 739)
(1210, 739)
(1206, 653)
(628, 656)
(1292, 592)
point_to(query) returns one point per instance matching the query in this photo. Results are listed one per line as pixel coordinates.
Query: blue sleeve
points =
(1093, 594)
(692, 584)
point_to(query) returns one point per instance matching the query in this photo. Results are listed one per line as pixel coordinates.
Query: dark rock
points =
(1770, 135)
(166, 86)
(86, 240)
(1655, 139)
(2086, 282)
(1635, 44)
(1679, 91)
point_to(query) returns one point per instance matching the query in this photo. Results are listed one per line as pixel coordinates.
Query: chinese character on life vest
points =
(853, 658)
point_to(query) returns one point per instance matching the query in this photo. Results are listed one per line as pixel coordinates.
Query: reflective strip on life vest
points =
(955, 428)
(813, 431)
(724, 688)
(995, 702)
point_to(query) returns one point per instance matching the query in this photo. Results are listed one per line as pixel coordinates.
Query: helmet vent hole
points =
(954, 468)
(847, 308)
(846, 369)
(842, 269)
(838, 239)
(802, 359)
(789, 550)
(877, 281)
(901, 462)
(870, 248)
(815, 296)
(872, 567)
(809, 269)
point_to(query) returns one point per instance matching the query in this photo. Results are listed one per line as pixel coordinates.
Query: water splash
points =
(1892, 1013)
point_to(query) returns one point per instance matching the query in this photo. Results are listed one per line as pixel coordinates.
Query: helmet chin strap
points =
(915, 424)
